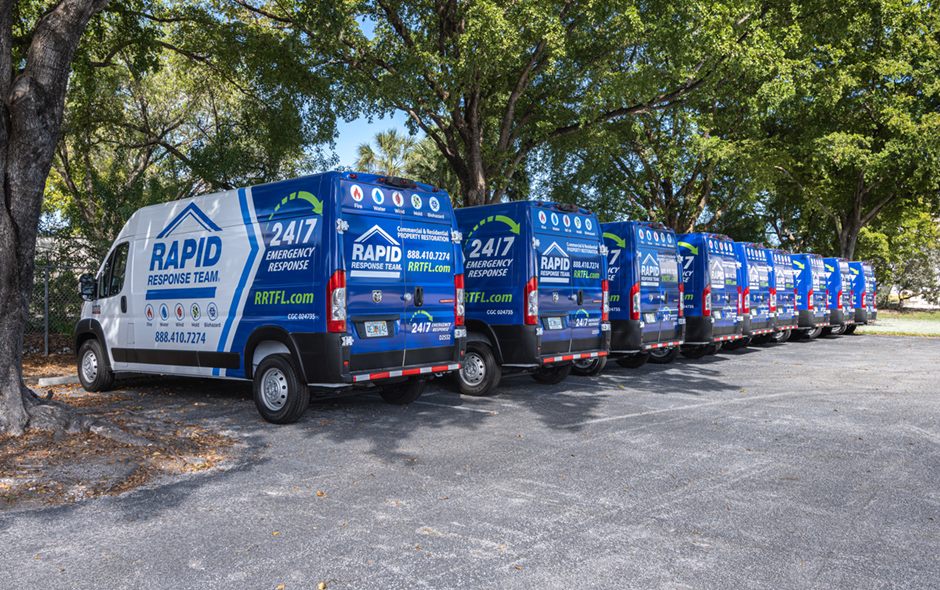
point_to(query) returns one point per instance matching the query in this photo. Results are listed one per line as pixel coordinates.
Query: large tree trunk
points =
(30, 118)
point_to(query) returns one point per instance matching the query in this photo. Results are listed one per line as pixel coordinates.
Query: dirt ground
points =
(49, 468)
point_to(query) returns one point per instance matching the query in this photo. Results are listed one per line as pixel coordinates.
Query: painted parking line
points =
(681, 408)
(457, 407)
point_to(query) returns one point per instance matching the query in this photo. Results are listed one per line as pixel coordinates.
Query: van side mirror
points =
(87, 287)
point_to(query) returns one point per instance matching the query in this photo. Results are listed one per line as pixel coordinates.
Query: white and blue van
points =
(324, 285)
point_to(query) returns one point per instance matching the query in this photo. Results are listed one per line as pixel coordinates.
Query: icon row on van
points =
(339, 283)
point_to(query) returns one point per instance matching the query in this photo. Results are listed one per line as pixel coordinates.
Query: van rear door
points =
(651, 294)
(669, 325)
(587, 275)
(427, 222)
(555, 287)
(374, 255)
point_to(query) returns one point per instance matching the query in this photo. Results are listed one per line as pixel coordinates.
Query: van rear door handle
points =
(123, 304)
(419, 296)
(580, 297)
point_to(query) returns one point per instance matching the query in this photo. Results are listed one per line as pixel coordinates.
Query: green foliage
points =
(491, 81)
(904, 248)
(170, 100)
(394, 157)
(861, 129)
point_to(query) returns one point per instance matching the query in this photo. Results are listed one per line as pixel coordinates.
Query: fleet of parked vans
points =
(340, 283)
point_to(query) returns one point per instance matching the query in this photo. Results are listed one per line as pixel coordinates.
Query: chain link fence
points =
(54, 309)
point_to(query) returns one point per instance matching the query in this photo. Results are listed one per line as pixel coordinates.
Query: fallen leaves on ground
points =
(43, 468)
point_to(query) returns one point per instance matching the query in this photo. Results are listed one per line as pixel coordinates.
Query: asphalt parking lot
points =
(804, 465)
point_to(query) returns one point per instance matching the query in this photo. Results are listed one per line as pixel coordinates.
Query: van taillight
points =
(809, 299)
(605, 306)
(681, 299)
(336, 295)
(532, 302)
(773, 300)
(839, 301)
(635, 301)
(746, 300)
(874, 295)
(864, 293)
(459, 304)
(707, 300)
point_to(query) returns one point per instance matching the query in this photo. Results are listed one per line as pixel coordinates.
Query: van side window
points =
(112, 277)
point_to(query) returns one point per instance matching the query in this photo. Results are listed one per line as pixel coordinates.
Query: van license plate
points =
(555, 324)
(376, 329)
(716, 314)
(649, 318)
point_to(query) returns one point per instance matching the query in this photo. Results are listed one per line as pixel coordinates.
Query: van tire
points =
(552, 376)
(826, 331)
(588, 367)
(850, 329)
(634, 361)
(402, 394)
(94, 370)
(781, 336)
(694, 352)
(813, 333)
(664, 356)
(280, 396)
(479, 374)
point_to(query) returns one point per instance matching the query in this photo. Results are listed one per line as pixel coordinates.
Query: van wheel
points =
(812, 334)
(841, 329)
(280, 396)
(93, 369)
(634, 361)
(694, 352)
(479, 374)
(850, 329)
(589, 367)
(402, 394)
(781, 336)
(664, 356)
(552, 376)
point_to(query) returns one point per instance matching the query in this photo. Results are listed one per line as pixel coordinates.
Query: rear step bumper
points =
(405, 372)
(573, 356)
(663, 344)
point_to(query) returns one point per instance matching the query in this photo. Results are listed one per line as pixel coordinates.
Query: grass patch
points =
(930, 316)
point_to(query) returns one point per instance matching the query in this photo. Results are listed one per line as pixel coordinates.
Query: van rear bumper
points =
(326, 361)
(701, 330)
(571, 356)
(523, 345)
(808, 319)
(862, 316)
(758, 327)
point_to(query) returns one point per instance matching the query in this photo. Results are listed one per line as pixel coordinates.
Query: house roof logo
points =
(650, 261)
(190, 212)
(555, 250)
(376, 230)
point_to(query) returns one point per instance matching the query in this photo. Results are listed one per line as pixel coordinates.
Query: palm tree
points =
(393, 155)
